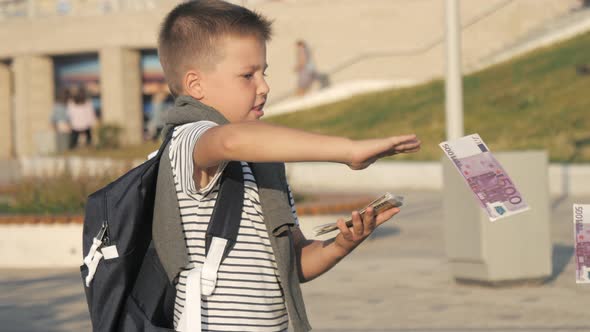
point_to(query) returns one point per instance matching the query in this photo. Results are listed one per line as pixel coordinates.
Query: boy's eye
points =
(248, 76)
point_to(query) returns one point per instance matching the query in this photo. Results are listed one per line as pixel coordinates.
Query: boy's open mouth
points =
(258, 109)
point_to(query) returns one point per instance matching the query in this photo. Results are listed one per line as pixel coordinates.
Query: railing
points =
(19, 9)
(49, 8)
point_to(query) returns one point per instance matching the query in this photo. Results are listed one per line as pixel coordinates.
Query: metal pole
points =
(31, 9)
(453, 82)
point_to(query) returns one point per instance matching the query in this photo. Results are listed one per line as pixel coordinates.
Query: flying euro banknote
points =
(488, 181)
(582, 242)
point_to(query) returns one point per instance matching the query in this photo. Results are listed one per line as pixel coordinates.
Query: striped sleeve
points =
(182, 146)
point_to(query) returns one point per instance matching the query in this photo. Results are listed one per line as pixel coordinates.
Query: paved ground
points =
(398, 281)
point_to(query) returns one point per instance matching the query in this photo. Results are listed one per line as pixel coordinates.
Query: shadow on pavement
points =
(560, 257)
(18, 281)
(384, 231)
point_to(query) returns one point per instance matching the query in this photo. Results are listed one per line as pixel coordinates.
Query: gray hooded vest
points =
(272, 185)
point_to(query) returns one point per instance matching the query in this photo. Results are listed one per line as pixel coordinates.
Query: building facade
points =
(350, 39)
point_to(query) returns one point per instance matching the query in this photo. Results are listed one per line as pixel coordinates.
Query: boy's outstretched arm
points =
(262, 142)
(317, 257)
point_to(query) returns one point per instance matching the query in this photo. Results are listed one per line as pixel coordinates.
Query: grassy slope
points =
(536, 101)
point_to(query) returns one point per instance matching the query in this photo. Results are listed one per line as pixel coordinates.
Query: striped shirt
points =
(248, 295)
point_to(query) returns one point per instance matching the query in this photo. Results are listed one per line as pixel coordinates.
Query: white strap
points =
(96, 243)
(211, 265)
(200, 280)
(92, 267)
(92, 259)
(190, 319)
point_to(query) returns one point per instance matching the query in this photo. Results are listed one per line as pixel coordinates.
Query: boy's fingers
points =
(343, 228)
(407, 146)
(369, 221)
(386, 215)
(403, 139)
(357, 223)
(407, 141)
(412, 150)
(416, 149)
(401, 147)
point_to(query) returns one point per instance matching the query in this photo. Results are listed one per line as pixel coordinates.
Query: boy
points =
(214, 58)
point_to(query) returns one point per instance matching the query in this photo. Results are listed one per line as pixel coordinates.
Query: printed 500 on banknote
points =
(582, 242)
(486, 178)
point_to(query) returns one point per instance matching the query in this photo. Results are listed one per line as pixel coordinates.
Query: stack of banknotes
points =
(383, 203)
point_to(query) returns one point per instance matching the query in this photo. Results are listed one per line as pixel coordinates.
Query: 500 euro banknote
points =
(383, 203)
(486, 178)
(582, 242)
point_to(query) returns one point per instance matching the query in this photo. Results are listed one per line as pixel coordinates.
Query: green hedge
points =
(60, 195)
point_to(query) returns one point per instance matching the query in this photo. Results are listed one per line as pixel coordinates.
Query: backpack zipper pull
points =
(97, 242)
(103, 235)
(94, 255)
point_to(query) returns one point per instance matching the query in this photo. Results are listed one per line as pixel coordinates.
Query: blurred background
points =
(82, 96)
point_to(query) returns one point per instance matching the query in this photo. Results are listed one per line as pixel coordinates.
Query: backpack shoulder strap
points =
(165, 142)
(222, 231)
(227, 213)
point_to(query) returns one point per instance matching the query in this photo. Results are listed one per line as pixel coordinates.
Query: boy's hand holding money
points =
(366, 152)
(362, 227)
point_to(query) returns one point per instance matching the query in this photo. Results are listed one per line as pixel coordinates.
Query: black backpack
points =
(126, 286)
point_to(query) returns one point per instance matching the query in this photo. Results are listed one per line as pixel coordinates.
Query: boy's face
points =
(236, 86)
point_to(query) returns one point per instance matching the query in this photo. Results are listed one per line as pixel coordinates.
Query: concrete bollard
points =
(515, 249)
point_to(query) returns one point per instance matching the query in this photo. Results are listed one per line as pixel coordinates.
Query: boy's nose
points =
(263, 88)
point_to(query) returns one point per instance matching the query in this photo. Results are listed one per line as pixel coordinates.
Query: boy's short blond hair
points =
(190, 32)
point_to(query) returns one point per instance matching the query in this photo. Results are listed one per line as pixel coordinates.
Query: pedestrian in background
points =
(306, 69)
(60, 121)
(82, 117)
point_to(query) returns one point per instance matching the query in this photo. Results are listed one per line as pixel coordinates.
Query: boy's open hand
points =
(361, 228)
(366, 152)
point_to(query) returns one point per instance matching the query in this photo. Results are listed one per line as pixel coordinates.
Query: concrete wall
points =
(41, 246)
(27, 246)
(564, 179)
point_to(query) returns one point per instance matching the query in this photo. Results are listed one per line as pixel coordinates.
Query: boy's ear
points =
(192, 84)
